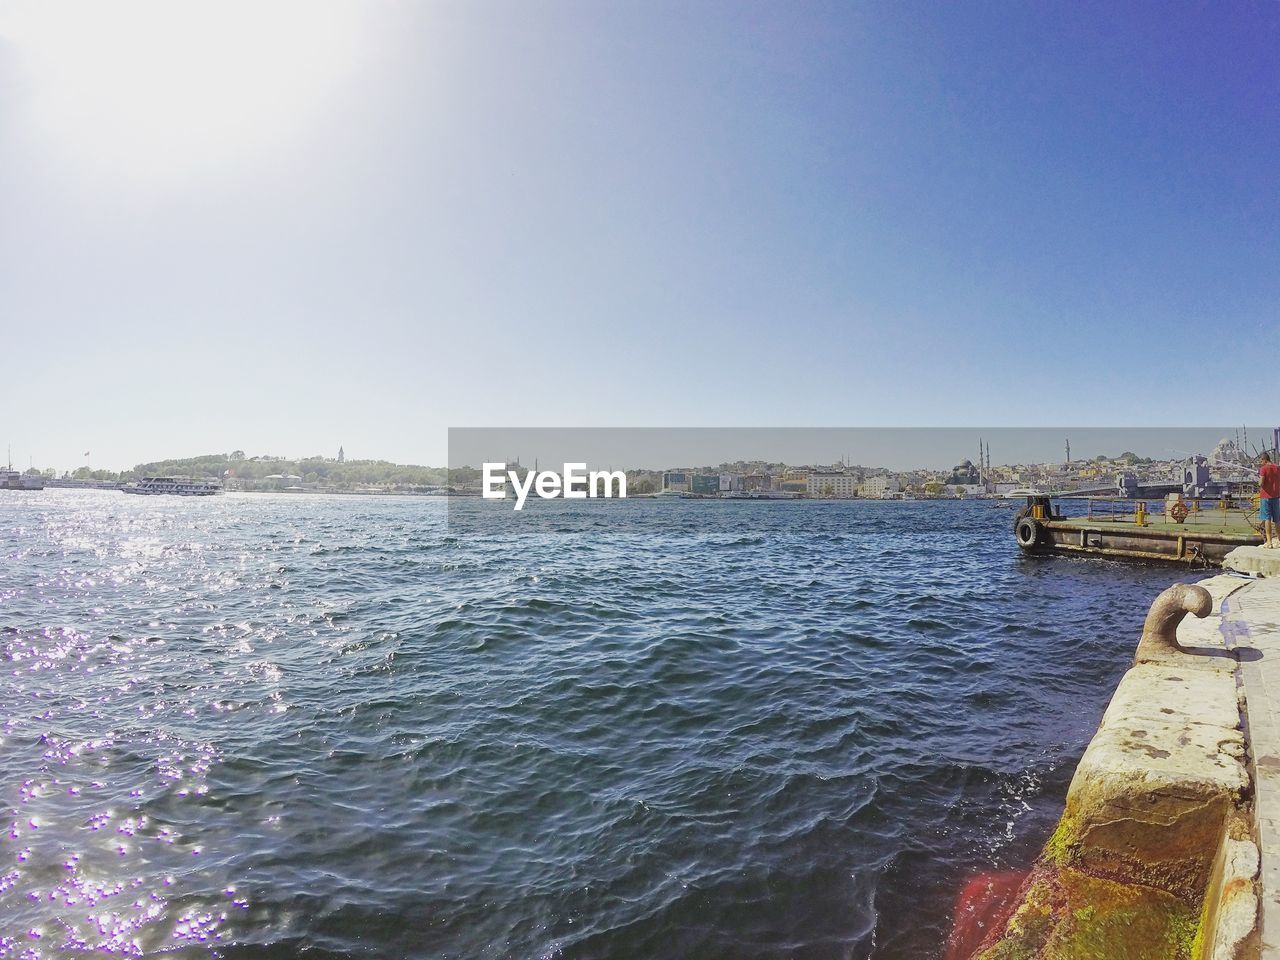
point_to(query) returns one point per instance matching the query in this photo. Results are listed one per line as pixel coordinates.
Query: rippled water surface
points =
(272, 726)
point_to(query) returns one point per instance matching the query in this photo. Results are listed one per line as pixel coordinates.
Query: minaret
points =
(1068, 451)
(342, 456)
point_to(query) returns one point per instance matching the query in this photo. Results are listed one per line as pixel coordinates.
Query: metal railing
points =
(1198, 510)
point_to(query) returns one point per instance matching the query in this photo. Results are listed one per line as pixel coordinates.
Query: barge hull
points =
(1135, 543)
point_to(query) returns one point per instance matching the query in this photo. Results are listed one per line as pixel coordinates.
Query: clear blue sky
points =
(362, 224)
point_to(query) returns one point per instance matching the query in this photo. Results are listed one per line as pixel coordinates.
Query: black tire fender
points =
(1029, 533)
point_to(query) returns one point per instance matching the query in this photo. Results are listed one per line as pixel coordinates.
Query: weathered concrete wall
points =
(1148, 856)
(1252, 623)
(1229, 920)
(1257, 560)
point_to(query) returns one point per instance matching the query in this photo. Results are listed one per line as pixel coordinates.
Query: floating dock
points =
(1194, 532)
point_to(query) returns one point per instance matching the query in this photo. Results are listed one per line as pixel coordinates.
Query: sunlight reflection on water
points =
(265, 723)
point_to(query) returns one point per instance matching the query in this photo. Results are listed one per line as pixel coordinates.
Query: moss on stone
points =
(1173, 851)
(1197, 948)
(1068, 915)
(1061, 846)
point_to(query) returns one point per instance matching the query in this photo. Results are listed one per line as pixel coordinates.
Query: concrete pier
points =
(1169, 844)
(1251, 617)
(1255, 561)
(1157, 855)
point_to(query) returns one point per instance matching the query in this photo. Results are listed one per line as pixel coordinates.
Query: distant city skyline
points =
(283, 225)
(660, 448)
(893, 448)
(901, 449)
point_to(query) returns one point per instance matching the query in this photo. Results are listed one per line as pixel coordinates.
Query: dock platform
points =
(1204, 535)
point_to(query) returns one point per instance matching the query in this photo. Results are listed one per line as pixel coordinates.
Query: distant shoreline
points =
(106, 487)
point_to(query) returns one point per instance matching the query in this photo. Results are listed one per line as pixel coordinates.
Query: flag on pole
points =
(86, 453)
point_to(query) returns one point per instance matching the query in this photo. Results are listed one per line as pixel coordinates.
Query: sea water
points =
(324, 726)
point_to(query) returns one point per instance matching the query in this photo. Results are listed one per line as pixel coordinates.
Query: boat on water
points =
(16, 480)
(1194, 531)
(174, 486)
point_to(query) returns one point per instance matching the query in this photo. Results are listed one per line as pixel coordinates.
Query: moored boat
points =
(15, 480)
(174, 486)
(1192, 531)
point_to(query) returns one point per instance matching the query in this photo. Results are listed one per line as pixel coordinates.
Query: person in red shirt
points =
(1269, 499)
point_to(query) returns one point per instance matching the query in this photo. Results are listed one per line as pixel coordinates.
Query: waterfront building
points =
(877, 488)
(676, 482)
(831, 485)
(706, 484)
(730, 482)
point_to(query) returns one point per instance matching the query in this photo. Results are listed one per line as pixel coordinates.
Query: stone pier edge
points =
(1175, 856)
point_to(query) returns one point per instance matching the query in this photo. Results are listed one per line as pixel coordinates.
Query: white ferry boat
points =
(174, 486)
(16, 480)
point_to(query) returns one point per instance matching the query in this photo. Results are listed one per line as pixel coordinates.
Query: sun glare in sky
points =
(162, 89)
